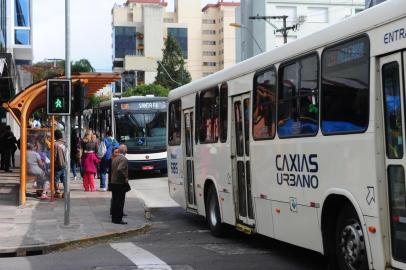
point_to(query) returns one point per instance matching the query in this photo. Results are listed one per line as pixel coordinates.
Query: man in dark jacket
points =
(119, 185)
(8, 140)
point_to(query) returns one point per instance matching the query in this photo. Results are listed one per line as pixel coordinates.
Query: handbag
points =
(126, 187)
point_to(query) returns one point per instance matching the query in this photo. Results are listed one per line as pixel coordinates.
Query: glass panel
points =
(189, 175)
(396, 176)
(209, 117)
(187, 135)
(22, 37)
(242, 191)
(345, 86)
(264, 105)
(393, 112)
(191, 133)
(249, 191)
(247, 125)
(238, 129)
(124, 41)
(298, 112)
(223, 112)
(197, 124)
(175, 123)
(180, 34)
(22, 13)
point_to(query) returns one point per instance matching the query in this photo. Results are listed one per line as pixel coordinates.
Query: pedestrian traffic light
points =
(59, 97)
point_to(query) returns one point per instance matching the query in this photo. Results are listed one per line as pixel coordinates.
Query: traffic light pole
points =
(67, 117)
(284, 30)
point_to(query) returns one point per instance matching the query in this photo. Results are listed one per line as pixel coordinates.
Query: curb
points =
(71, 244)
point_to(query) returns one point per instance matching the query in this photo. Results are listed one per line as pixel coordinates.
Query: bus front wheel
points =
(350, 241)
(213, 213)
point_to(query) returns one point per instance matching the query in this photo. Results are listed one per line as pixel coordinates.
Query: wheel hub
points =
(213, 217)
(352, 245)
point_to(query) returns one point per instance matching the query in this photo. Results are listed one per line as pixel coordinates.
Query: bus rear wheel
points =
(213, 213)
(350, 241)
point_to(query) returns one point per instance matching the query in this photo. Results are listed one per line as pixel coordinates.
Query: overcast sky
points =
(90, 30)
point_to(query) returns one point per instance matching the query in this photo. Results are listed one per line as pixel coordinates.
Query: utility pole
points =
(284, 30)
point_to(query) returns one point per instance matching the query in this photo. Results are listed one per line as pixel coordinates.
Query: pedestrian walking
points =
(8, 140)
(89, 161)
(119, 185)
(60, 161)
(75, 153)
(109, 143)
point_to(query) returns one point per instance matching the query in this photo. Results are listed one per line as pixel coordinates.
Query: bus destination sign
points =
(140, 106)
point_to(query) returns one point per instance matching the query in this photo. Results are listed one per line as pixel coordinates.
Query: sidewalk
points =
(38, 226)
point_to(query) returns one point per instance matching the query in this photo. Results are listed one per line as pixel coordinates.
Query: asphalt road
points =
(177, 240)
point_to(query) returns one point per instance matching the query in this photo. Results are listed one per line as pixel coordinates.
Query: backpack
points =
(101, 150)
(110, 143)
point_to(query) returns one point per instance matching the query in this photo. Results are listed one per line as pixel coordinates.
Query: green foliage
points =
(174, 65)
(149, 89)
(96, 100)
(83, 65)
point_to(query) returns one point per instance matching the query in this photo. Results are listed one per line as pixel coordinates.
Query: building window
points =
(264, 105)
(207, 21)
(22, 37)
(209, 53)
(223, 112)
(181, 35)
(345, 87)
(22, 13)
(209, 64)
(358, 10)
(118, 64)
(209, 32)
(209, 42)
(209, 115)
(175, 123)
(317, 15)
(124, 41)
(130, 16)
(298, 104)
(168, 20)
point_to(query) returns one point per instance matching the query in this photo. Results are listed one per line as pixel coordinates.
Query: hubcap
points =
(352, 245)
(213, 218)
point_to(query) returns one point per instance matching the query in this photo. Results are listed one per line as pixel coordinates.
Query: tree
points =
(147, 89)
(83, 65)
(174, 65)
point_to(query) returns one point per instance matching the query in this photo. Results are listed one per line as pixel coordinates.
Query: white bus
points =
(304, 143)
(138, 122)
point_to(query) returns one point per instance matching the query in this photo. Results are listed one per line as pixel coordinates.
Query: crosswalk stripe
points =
(142, 258)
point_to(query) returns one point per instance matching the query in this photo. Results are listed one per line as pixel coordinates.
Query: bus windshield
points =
(142, 132)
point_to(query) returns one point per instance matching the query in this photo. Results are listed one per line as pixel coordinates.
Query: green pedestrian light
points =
(58, 103)
(58, 97)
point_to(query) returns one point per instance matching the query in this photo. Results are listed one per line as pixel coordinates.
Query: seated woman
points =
(35, 166)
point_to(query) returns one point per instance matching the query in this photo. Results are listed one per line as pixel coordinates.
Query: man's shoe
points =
(120, 222)
(124, 215)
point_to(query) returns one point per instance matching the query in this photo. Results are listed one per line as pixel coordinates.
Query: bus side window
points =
(223, 112)
(345, 88)
(209, 116)
(175, 123)
(298, 101)
(264, 105)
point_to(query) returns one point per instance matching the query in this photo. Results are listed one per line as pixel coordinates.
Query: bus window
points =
(209, 116)
(298, 104)
(175, 123)
(393, 115)
(197, 122)
(345, 88)
(223, 112)
(264, 105)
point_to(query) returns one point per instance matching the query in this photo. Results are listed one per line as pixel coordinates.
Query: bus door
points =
(392, 72)
(188, 154)
(241, 159)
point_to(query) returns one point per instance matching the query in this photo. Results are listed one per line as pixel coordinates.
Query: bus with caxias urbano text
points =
(304, 143)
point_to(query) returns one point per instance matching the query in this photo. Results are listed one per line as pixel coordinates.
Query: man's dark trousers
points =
(117, 204)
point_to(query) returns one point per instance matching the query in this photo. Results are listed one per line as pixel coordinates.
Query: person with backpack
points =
(89, 161)
(60, 160)
(109, 144)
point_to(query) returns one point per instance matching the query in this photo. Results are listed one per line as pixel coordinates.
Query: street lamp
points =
(237, 25)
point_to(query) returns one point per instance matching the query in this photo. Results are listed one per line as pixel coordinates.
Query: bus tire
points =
(213, 213)
(350, 241)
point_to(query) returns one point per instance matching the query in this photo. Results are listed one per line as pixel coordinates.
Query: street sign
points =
(59, 92)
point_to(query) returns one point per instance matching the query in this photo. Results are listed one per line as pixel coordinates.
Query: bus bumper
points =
(147, 165)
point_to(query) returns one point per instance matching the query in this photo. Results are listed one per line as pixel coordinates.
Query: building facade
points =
(15, 51)
(305, 16)
(141, 26)
(371, 3)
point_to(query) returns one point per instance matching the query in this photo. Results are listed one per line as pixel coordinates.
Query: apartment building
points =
(141, 26)
(307, 16)
(218, 38)
(16, 50)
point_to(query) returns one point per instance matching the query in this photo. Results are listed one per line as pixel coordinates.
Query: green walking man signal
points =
(59, 97)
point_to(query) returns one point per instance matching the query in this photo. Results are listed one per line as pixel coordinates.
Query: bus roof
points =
(364, 21)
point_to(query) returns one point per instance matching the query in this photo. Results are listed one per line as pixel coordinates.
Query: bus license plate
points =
(147, 168)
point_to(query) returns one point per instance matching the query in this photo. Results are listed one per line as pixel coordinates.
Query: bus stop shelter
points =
(25, 103)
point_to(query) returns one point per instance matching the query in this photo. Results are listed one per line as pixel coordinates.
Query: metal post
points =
(52, 176)
(67, 121)
(285, 32)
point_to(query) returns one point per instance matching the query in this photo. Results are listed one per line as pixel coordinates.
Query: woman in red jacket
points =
(89, 161)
